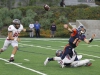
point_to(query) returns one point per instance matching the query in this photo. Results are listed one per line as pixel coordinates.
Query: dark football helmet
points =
(81, 29)
(59, 53)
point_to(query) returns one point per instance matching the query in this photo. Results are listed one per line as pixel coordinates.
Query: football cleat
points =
(62, 64)
(46, 61)
(88, 64)
(11, 59)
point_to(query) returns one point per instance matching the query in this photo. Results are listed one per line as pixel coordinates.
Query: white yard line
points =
(89, 55)
(92, 59)
(11, 63)
(24, 67)
(36, 46)
(56, 49)
(26, 59)
(25, 41)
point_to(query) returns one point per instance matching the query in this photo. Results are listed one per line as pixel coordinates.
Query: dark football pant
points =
(68, 50)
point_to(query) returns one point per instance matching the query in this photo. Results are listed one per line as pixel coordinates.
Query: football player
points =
(68, 61)
(77, 35)
(12, 38)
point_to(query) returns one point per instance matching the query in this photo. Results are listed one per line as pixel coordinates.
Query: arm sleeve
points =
(10, 28)
(74, 32)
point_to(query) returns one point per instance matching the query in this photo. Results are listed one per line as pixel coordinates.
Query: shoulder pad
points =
(10, 28)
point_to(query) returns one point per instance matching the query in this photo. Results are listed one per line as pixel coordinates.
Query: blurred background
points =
(29, 11)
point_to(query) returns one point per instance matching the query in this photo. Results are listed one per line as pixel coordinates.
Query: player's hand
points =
(66, 26)
(24, 30)
(93, 36)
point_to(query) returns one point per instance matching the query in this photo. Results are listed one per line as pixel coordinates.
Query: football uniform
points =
(74, 40)
(15, 33)
(67, 58)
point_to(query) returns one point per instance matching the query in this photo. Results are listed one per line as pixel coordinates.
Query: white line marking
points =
(25, 41)
(89, 55)
(56, 49)
(24, 67)
(11, 63)
(26, 59)
(93, 45)
(92, 59)
(62, 46)
(37, 46)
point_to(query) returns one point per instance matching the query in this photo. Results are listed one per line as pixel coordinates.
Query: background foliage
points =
(58, 15)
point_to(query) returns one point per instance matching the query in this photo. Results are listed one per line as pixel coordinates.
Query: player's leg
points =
(79, 57)
(51, 59)
(5, 46)
(85, 62)
(15, 48)
(68, 56)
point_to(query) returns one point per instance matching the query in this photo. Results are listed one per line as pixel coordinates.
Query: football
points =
(46, 7)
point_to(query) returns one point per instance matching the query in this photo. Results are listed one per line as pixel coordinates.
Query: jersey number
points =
(15, 35)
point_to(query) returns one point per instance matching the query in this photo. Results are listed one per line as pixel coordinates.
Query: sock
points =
(12, 55)
(50, 59)
(57, 58)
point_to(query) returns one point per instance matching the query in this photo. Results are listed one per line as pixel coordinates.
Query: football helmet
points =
(16, 23)
(59, 53)
(81, 29)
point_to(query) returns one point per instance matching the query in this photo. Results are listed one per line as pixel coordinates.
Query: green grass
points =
(37, 50)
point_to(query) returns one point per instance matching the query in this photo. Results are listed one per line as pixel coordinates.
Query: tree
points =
(16, 13)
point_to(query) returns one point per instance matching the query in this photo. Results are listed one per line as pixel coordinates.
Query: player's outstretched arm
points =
(26, 30)
(67, 27)
(90, 40)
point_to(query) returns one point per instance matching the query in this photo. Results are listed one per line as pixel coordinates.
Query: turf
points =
(36, 50)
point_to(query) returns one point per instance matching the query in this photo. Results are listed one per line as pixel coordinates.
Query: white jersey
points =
(14, 30)
(31, 25)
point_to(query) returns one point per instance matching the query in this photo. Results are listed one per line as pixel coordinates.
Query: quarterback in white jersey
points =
(12, 38)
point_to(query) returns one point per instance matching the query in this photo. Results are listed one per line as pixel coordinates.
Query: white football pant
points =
(9, 42)
(80, 63)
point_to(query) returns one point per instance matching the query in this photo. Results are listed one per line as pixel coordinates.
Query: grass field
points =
(32, 53)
